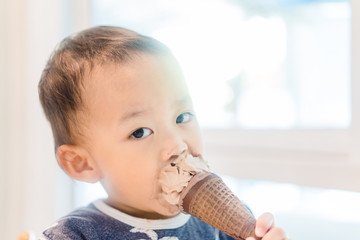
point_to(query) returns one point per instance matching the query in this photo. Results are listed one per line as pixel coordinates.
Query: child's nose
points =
(173, 148)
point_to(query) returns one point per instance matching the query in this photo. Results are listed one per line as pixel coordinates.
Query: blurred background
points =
(276, 87)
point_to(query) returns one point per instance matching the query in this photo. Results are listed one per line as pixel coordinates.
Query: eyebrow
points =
(132, 114)
(186, 100)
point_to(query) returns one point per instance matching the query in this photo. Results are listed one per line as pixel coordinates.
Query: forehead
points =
(144, 67)
(145, 79)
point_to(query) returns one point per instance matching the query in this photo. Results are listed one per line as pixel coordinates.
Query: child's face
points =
(140, 118)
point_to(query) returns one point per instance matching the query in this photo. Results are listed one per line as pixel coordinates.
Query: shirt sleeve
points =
(71, 228)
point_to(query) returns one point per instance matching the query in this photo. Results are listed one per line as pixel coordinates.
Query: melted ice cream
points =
(176, 176)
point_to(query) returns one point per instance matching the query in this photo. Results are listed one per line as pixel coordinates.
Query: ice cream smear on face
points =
(176, 175)
(188, 186)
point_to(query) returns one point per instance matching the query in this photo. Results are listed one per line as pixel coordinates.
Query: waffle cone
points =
(208, 198)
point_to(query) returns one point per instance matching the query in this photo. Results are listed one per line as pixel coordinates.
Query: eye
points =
(141, 133)
(184, 117)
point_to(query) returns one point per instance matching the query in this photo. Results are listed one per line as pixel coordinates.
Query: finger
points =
(263, 224)
(275, 234)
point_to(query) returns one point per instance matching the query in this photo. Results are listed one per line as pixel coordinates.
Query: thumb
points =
(263, 224)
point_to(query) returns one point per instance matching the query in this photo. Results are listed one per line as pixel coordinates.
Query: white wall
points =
(34, 192)
(355, 88)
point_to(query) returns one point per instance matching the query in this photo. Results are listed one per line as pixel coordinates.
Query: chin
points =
(171, 212)
(168, 210)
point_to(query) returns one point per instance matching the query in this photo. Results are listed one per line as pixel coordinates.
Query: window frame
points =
(318, 158)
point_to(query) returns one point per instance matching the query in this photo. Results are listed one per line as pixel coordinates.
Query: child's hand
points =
(266, 230)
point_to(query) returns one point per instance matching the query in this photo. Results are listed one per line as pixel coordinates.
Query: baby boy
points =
(120, 112)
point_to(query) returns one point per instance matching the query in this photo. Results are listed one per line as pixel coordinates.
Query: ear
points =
(77, 163)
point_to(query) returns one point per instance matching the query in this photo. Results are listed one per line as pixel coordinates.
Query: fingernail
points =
(250, 238)
(259, 232)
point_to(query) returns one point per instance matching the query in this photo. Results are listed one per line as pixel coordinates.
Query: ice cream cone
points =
(208, 198)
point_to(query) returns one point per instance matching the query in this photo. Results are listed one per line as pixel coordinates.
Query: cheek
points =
(134, 170)
(132, 182)
(195, 140)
